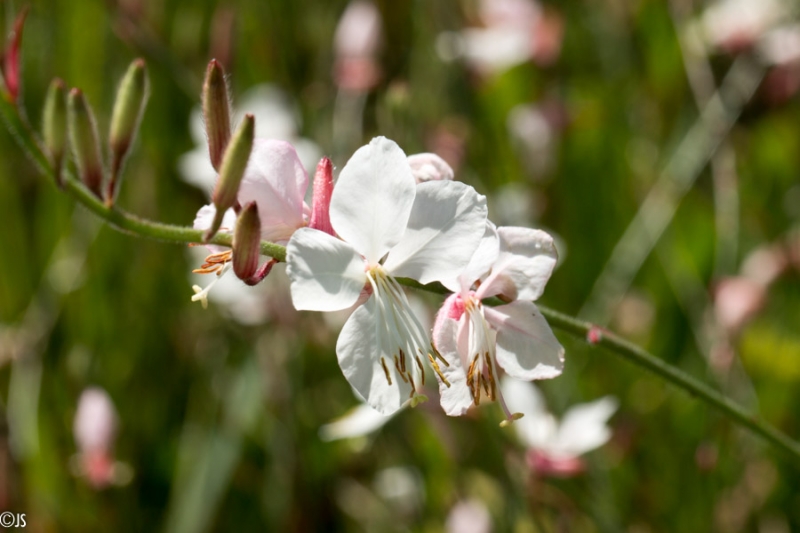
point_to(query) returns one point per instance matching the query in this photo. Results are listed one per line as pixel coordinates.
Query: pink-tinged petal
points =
(584, 428)
(429, 167)
(446, 225)
(372, 199)
(526, 346)
(95, 424)
(457, 398)
(360, 349)
(452, 308)
(326, 274)
(482, 260)
(527, 258)
(321, 204)
(276, 180)
(547, 465)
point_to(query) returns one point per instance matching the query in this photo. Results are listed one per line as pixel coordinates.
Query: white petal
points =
(455, 399)
(372, 198)
(360, 348)
(204, 218)
(359, 421)
(526, 346)
(483, 258)
(583, 427)
(326, 273)
(537, 428)
(526, 260)
(446, 225)
(276, 181)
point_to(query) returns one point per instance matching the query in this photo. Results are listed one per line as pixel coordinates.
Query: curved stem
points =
(595, 335)
(116, 217)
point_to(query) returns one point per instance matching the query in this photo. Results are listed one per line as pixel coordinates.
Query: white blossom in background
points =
(513, 32)
(95, 431)
(556, 447)
(734, 25)
(478, 340)
(469, 516)
(359, 421)
(356, 44)
(389, 227)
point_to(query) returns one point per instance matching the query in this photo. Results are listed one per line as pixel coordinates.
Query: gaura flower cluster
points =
(387, 219)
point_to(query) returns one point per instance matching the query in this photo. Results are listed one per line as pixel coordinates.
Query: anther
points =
(421, 370)
(386, 371)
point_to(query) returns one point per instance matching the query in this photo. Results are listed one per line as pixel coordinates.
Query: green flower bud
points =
(247, 242)
(85, 145)
(216, 111)
(234, 163)
(55, 126)
(128, 110)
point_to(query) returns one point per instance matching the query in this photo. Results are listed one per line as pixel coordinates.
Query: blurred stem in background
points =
(699, 144)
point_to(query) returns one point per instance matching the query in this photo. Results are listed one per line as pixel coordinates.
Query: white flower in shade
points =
(276, 181)
(513, 264)
(556, 447)
(389, 227)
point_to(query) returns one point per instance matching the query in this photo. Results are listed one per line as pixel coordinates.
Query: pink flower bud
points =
(323, 189)
(216, 111)
(356, 43)
(247, 242)
(429, 167)
(10, 64)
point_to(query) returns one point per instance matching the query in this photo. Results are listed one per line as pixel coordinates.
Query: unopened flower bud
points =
(429, 167)
(128, 109)
(55, 126)
(247, 242)
(234, 163)
(10, 61)
(216, 111)
(84, 140)
(323, 189)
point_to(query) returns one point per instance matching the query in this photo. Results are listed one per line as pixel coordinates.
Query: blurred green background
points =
(598, 117)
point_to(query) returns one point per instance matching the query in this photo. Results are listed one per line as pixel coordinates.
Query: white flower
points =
(555, 448)
(513, 264)
(390, 227)
(276, 181)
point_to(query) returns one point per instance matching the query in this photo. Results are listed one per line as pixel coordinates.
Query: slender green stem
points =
(132, 224)
(116, 217)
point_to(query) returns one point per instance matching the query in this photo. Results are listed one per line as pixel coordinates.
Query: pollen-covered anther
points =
(438, 370)
(214, 263)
